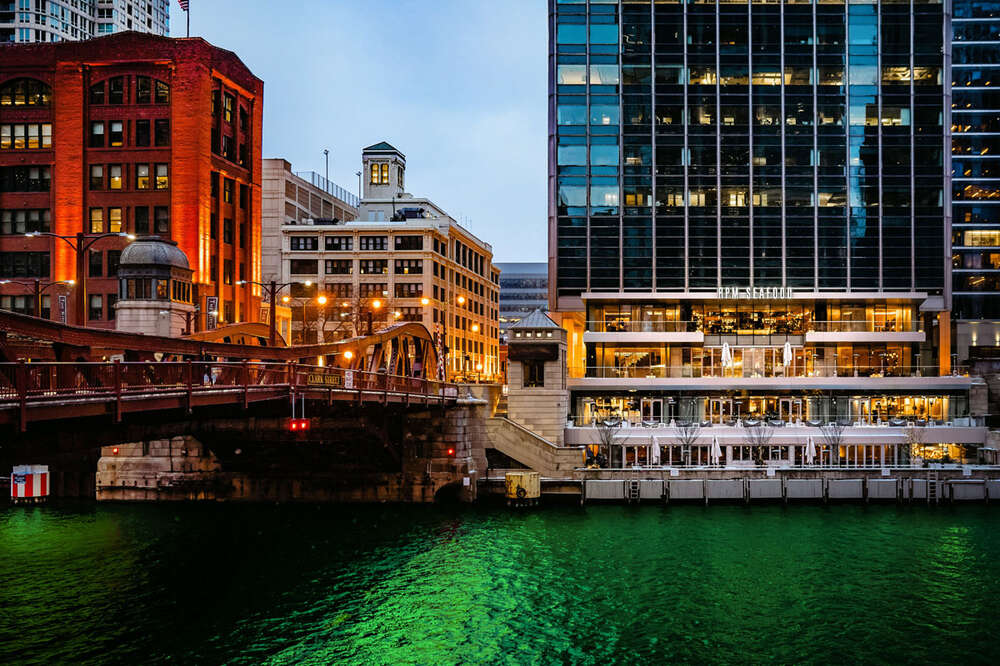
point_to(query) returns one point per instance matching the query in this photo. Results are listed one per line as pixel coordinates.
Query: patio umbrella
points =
(810, 450)
(788, 354)
(654, 452)
(716, 451)
(727, 355)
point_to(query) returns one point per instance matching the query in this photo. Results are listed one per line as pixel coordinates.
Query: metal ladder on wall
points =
(932, 487)
(632, 487)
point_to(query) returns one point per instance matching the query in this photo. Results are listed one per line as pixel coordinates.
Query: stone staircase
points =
(531, 450)
(501, 407)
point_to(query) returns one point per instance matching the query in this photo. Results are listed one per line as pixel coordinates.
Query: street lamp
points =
(425, 301)
(375, 305)
(80, 244)
(271, 289)
(38, 290)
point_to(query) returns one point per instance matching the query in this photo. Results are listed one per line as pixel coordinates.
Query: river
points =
(319, 584)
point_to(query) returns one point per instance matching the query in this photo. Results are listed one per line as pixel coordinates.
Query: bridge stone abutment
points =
(376, 454)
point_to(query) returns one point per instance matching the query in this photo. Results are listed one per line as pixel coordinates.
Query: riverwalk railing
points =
(24, 385)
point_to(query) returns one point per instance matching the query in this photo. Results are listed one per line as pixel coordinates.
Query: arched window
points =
(25, 92)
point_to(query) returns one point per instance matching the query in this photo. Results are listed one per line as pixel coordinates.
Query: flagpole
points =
(188, 12)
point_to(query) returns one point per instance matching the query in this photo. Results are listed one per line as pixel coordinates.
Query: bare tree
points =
(758, 437)
(687, 436)
(833, 437)
(608, 433)
(915, 436)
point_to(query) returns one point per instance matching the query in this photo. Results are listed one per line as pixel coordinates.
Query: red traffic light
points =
(298, 424)
(114, 450)
(451, 451)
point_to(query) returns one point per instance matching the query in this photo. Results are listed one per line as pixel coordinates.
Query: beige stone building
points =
(404, 259)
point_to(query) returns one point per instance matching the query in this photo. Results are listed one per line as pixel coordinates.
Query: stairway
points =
(532, 451)
(502, 407)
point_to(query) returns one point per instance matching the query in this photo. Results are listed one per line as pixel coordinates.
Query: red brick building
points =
(132, 134)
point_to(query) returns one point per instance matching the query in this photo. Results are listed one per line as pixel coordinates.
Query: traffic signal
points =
(297, 425)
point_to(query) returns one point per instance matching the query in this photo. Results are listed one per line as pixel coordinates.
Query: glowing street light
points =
(475, 328)
(461, 300)
(321, 299)
(425, 301)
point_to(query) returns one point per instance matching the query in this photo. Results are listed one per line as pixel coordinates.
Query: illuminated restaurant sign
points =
(755, 292)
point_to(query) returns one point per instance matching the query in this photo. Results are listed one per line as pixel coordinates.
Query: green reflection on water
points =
(375, 584)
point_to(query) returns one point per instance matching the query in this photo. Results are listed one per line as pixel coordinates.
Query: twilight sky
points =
(457, 85)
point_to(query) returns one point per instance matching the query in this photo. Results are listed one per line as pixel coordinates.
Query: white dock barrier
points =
(765, 489)
(600, 489)
(804, 488)
(993, 489)
(687, 490)
(918, 488)
(845, 489)
(724, 489)
(883, 489)
(967, 490)
(651, 489)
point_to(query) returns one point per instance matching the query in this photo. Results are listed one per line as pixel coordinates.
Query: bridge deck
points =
(51, 391)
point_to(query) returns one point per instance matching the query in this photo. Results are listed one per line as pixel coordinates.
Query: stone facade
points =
(537, 395)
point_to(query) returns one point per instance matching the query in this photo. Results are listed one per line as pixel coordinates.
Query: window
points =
(409, 242)
(115, 177)
(96, 221)
(114, 256)
(25, 178)
(95, 266)
(228, 148)
(162, 131)
(243, 236)
(162, 91)
(112, 302)
(142, 176)
(304, 243)
(116, 134)
(303, 266)
(162, 181)
(142, 132)
(25, 137)
(116, 90)
(373, 243)
(96, 177)
(409, 267)
(213, 226)
(371, 290)
(227, 271)
(339, 266)
(534, 373)
(143, 90)
(24, 221)
(227, 231)
(339, 243)
(227, 107)
(214, 180)
(340, 289)
(244, 197)
(244, 120)
(409, 290)
(161, 218)
(373, 266)
(115, 220)
(141, 215)
(25, 92)
(97, 93)
(97, 134)
(24, 264)
(227, 190)
(96, 309)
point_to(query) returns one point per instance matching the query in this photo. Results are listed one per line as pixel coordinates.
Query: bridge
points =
(381, 425)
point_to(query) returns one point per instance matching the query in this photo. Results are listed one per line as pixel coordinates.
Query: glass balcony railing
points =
(774, 371)
(727, 328)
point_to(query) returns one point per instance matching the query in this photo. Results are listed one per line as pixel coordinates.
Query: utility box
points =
(29, 483)
(523, 488)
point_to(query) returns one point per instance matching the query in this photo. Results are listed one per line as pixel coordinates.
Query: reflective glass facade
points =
(699, 145)
(975, 120)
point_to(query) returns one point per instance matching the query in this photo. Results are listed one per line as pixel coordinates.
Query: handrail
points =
(715, 329)
(794, 371)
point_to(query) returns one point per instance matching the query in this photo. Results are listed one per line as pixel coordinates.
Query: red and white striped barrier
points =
(29, 483)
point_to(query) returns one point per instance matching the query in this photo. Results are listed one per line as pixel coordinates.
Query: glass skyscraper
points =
(750, 209)
(700, 145)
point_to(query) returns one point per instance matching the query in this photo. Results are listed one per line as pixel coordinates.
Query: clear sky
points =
(457, 85)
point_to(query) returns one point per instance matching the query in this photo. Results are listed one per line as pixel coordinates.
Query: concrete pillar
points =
(944, 342)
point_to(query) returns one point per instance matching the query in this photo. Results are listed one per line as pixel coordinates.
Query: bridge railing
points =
(39, 381)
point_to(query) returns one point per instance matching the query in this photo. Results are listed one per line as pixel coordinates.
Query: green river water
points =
(309, 584)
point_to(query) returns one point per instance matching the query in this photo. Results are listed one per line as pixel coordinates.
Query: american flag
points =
(183, 4)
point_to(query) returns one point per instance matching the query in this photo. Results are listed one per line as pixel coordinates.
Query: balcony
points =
(620, 330)
(719, 332)
(863, 331)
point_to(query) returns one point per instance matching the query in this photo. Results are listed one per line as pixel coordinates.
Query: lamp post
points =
(271, 289)
(38, 290)
(375, 305)
(80, 244)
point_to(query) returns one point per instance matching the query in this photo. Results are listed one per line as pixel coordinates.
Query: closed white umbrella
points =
(788, 354)
(810, 450)
(716, 451)
(654, 452)
(727, 355)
